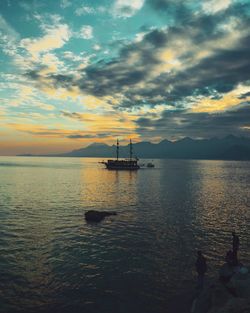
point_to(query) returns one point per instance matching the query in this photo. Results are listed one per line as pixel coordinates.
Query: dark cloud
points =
(56, 80)
(76, 116)
(221, 72)
(156, 37)
(116, 76)
(88, 136)
(160, 4)
(34, 74)
(176, 11)
(244, 95)
(45, 132)
(78, 136)
(62, 80)
(126, 10)
(133, 73)
(174, 124)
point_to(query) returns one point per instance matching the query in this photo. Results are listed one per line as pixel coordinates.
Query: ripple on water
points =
(50, 258)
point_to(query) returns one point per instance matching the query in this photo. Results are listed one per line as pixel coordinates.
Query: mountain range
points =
(227, 148)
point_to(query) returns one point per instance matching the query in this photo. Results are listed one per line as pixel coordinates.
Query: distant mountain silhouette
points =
(228, 148)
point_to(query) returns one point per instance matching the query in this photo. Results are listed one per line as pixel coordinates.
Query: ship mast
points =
(130, 150)
(117, 150)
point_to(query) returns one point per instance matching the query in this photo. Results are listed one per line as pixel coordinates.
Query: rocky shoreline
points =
(229, 294)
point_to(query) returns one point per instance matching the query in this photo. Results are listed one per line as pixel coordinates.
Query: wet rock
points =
(228, 295)
(202, 303)
(220, 295)
(97, 216)
(241, 284)
(234, 305)
(226, 272)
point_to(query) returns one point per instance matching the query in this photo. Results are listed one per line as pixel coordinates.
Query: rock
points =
(97, 216)
(234, 305)
(226, 272)
(241, 284)
(202, 303)
(230, 294)
(220, 295)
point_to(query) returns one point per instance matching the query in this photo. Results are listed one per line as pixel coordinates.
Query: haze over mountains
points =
(227, 148)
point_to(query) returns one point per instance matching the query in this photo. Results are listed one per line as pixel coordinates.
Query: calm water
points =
(133, 262)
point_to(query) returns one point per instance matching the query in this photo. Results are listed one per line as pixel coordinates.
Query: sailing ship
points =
(123, 164)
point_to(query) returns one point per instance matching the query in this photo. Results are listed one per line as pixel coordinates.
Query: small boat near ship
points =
(130, 164)
(150, 164)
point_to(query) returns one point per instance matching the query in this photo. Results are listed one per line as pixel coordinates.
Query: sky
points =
(74, 72)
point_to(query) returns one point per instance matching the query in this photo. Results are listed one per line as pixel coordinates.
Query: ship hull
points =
(122, 168)
(126, 165)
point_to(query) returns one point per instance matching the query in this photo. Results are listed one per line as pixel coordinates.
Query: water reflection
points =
(135, 261)
(104, 189)
(220, 207)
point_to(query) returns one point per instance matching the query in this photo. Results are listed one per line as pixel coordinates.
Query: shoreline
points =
(216, 296)
(230, 292)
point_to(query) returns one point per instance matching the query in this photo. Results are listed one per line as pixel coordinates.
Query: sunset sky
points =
(74, 72)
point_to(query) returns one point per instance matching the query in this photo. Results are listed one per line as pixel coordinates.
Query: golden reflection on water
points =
(106, 189)
(212, 193)
(218, 199)
(220, 207)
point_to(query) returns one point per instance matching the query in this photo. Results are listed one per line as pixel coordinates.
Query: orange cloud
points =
(229, 100)
(100, 128)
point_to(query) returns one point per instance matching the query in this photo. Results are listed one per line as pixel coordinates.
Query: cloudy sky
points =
(75, 72)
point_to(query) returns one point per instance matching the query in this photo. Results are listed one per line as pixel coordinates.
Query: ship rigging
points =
(130, 164)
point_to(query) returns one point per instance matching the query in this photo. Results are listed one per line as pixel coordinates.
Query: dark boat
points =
(122, 164)
(150, 164)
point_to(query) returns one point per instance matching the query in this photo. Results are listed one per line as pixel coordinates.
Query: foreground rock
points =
(97, 216)
(230, 296)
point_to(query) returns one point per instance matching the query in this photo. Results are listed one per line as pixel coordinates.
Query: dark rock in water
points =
(97, 216)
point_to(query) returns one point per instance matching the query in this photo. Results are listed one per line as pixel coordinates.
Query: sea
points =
(51, 260)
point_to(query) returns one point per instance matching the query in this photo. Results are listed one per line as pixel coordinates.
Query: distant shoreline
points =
(227, 148)
(143, 158)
